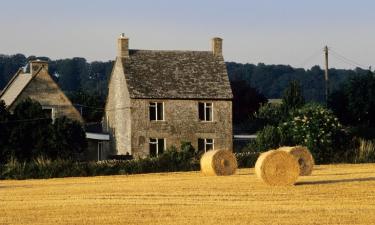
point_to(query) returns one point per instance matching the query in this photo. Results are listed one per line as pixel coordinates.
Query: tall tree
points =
(293, 97)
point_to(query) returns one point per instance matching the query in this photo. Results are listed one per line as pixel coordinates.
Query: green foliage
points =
(270, 114)
(315, 127)
(91, 105)
(354, 103)
(42, 167)
(293, 97)
(69, 139)
(246, 101)
(31, 134)
(361, 99)
(268, 138)
(246, 159)
(4, 132)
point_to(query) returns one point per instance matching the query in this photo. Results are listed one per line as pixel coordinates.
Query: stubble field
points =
(334, 194)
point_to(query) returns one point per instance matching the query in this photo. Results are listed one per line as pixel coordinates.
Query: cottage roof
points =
(15, 87)
(176, 75)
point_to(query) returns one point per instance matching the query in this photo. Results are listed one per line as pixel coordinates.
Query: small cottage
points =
(38, 85)
(157, 99)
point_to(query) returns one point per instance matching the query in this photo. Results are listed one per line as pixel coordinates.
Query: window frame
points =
(205, 143)
(52, 112)
(155, 107)
(206, 105)
(157, 146)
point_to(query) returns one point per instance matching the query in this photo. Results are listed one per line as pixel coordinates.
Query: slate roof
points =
(176, 75)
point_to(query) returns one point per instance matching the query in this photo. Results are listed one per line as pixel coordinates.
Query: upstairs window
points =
(156, 111)
(157, 146)
(205, 111)
(48, 113)
(205, 145)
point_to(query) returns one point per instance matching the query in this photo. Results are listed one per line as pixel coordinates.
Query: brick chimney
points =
(217, 46)
(35, 65)
(123, 46)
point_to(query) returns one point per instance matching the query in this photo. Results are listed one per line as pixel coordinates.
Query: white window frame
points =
(52, 112)
(155, 106)
(207, 105)
(205, 144)
(157, 145)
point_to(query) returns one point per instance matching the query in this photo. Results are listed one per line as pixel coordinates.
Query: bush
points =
(365, 152)
(268, 138)
(41, 167)
(315, 127)
(270, 114)
(246, 159)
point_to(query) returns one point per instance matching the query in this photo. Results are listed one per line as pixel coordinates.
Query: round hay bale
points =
(304, 158)
(277, 168)
(219, 163)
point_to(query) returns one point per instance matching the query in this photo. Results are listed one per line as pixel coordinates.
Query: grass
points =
(334, 194)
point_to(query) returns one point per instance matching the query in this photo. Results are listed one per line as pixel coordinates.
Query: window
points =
(205, 144)
(156, 111)
(49, 113)
(157, 146)
(205, 111)
(100, 150)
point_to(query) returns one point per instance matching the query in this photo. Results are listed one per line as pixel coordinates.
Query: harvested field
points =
(333, 194)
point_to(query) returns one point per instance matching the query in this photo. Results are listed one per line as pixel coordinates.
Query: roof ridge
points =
(156, 50)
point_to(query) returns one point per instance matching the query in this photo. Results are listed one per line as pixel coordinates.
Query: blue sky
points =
(270, 31)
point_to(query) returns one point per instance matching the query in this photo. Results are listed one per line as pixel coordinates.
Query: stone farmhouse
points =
(157, 99)
(38, 85)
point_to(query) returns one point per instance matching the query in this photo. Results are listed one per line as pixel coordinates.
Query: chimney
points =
(217, 46)
(35, 65)
(123, 46)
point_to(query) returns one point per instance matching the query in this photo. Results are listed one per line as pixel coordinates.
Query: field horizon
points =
(334, 194)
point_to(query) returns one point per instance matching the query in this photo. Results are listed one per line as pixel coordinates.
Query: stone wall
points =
(117, 112)
(44, 90)
(181, 123)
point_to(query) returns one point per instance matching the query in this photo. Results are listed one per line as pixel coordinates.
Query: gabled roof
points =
(176, 75)
(15, 86)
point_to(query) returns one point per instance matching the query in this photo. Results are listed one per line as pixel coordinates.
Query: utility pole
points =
(326, 74)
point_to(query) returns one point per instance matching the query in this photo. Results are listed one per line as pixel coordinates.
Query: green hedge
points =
(170, 161)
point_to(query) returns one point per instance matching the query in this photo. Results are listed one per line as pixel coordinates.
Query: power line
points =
(346, 60)
(308, 59)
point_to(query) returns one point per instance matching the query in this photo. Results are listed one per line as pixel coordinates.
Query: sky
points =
(292, 32)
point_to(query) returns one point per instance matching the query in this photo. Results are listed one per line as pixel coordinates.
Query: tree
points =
(4, 132)
(293, 97)
(361, 99)
(354, 102)
(246, 101)
(69, 139)
(30, 131)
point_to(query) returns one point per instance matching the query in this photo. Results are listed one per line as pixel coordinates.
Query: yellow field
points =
(335, 194)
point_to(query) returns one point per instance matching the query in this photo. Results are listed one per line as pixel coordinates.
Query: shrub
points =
(365, 153)
(268, 138)
(270, 114)
(315, 127)
(246, 159)
(42, 167)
